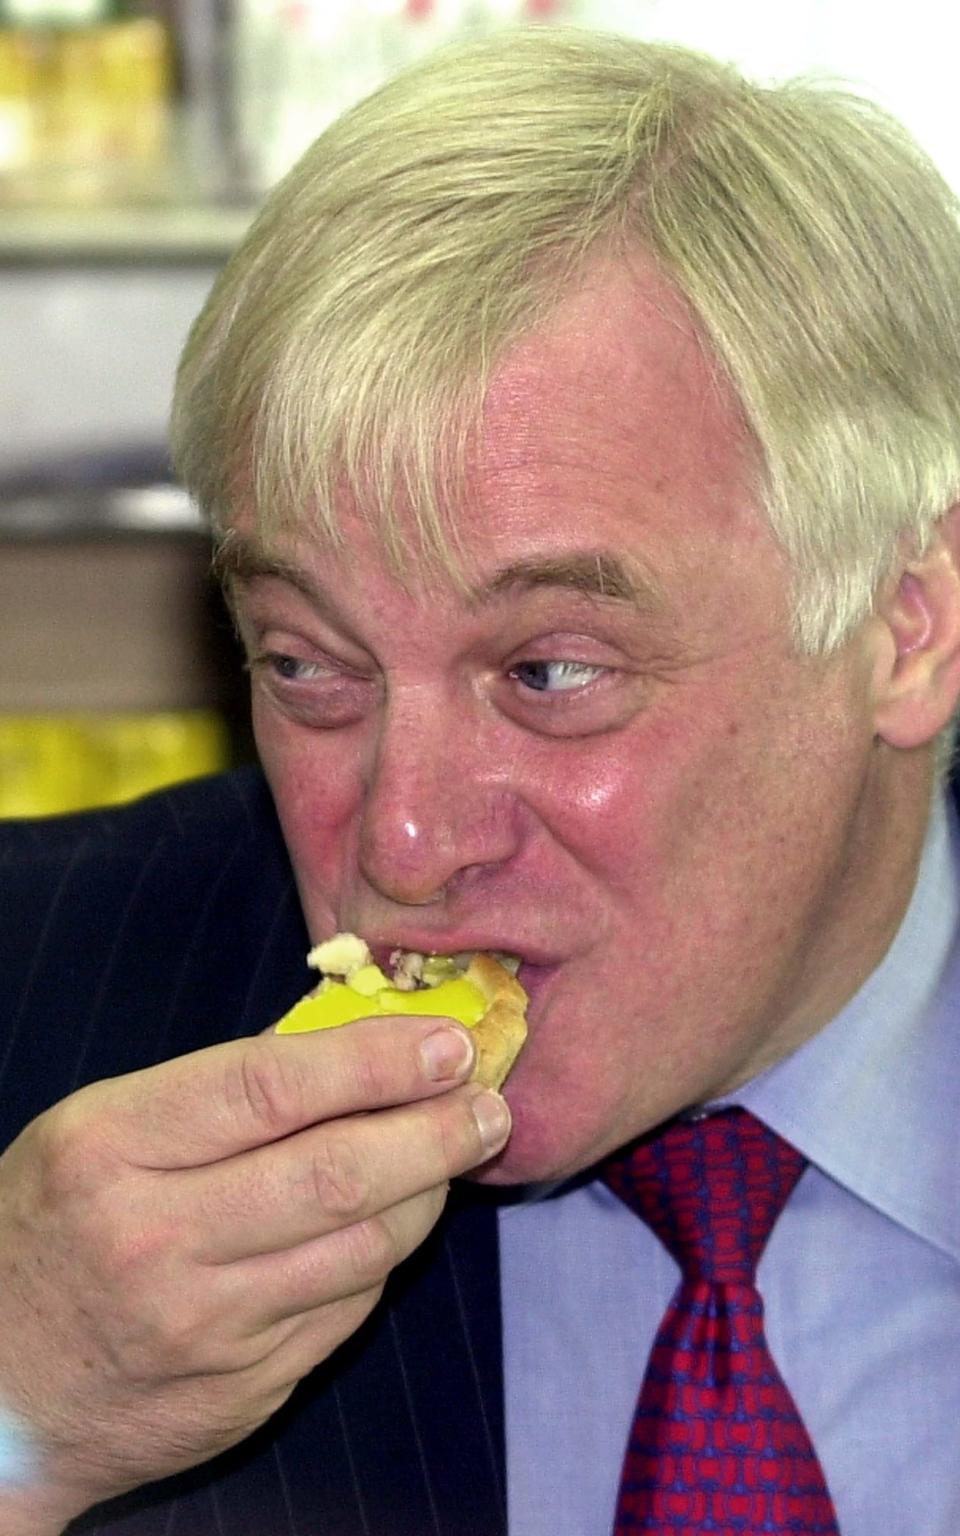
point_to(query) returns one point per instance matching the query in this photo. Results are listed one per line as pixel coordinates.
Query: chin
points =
(565, 1121)
(546, 1144)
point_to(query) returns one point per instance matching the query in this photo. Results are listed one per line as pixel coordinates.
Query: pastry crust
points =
(501, 1031)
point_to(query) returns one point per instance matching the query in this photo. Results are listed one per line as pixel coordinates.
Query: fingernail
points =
(493, 1119)
(446, 1054)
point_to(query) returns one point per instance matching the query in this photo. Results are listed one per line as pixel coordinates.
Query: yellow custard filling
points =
(370, 993)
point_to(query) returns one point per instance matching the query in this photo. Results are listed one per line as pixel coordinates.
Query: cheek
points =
(315, 785)
(614, 802)
(710, 888)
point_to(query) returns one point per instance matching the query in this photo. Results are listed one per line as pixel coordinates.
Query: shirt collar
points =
(872, 1099)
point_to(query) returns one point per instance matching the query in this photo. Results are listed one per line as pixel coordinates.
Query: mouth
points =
(534, 970)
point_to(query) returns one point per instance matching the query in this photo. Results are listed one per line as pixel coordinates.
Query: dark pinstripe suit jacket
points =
(134, 935)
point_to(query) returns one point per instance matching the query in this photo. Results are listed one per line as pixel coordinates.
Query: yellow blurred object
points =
(86, 110)
(340, 1004)
(50, 764)
(17, 94)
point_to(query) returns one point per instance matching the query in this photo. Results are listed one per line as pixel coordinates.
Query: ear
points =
(918, 685)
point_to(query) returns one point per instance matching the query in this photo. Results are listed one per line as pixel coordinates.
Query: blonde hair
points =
(349, 341)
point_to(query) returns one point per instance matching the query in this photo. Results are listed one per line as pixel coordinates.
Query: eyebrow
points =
(602, 575)
(238, 558)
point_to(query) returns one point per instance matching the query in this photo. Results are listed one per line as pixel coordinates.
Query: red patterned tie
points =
(717, 1446)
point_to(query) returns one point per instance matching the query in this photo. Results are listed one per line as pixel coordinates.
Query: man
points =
(579, 424)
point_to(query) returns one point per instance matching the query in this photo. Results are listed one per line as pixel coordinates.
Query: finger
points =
(353, 1260)
(261, 1371)
(231, 1318)
(227, 1098)
(261, 1295)
(338, 1173)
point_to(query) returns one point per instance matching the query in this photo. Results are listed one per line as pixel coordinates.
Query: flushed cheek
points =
(617, 805)
(589, 800)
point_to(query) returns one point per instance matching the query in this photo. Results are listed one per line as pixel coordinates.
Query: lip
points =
(460, 943)
(534, 977)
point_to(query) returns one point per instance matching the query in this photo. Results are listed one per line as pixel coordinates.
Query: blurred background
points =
(136, 139)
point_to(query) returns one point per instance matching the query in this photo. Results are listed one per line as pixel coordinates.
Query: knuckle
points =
(163, 1339)
(335, 1323)
(373, 1073)
(372, 1250)
(66, 1147)
(174, 1328)
(382, 1242)
(260, 1089)
(340, 1182)
(457, 1144)
(132, 1254)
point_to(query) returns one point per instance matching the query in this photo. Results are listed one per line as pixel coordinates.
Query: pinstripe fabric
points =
(134, 935)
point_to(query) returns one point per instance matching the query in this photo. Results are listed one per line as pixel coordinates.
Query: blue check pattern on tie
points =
(717, 1446)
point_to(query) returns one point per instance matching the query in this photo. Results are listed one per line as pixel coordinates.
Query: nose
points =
(437, 809)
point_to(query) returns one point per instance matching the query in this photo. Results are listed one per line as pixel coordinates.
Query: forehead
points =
(614, 420)
(608, 432)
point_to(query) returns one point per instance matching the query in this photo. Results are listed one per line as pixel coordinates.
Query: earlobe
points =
(919, 685)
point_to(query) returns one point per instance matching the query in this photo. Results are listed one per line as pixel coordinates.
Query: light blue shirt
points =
(18, 1456)
(861, 1276)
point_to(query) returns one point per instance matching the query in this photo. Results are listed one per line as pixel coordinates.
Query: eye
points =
(314, 691)
(555, 676)
(290, 668)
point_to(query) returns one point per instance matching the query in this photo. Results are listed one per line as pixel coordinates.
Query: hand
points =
(180, 1246)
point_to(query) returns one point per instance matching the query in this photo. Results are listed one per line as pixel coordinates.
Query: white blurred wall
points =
(88, 356)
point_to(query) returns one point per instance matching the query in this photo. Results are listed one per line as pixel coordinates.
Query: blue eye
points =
(291, 669)
(554, 676)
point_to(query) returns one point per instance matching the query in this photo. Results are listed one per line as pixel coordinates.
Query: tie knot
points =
(711, 1189)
